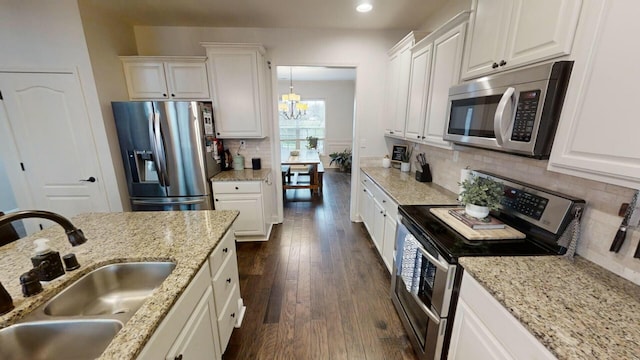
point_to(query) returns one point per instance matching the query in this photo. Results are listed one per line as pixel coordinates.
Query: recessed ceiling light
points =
(364, 7)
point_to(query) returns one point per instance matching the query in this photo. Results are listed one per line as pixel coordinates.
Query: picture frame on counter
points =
(398, 151)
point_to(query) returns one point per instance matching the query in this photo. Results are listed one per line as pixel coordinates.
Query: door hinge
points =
(22, 166)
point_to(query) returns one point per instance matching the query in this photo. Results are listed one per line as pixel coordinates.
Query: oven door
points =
(422, 286)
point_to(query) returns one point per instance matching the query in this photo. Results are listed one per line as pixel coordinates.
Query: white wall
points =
(107, 38)
(339, 102)
(48, 35)
(448, 11)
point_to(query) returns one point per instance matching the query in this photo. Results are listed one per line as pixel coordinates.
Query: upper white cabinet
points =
(508, 33)
(397, 90)
(597, 137)
(239, 85)
(166, 78)
(435, 67)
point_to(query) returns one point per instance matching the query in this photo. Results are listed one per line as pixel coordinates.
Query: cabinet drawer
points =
(227, 318)
(390, 206)
(236, 187)
(225, 281)
(222, 252)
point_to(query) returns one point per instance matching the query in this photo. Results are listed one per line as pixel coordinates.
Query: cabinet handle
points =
(164, 95)
(229, 280)
(391, 132)
(225, 250)
(237, 188)
(503, 63)
(384, 201)
(233, 315)
(495, 65)
(179, 357)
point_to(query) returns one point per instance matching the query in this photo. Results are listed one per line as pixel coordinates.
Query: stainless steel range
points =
(426, 275)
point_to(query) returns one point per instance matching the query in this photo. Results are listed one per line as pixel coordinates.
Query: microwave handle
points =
(499, 126)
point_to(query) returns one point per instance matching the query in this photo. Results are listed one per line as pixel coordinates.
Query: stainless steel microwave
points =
(515, 112)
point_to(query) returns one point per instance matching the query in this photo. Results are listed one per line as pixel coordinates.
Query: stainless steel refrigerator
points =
(168, 153)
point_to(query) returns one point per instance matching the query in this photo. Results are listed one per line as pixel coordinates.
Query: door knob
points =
(90, 179)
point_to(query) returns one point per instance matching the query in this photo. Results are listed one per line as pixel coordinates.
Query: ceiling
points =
(315, 73)
(317, 14)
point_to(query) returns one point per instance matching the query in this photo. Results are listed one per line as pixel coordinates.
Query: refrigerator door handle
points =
(165, 202)
(162, 158)
(154, 148)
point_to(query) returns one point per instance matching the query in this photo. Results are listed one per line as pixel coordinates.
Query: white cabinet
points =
(247, 197)
(483, 329)
(166, 78)
(597, 135)
(379, 214)
(238, 74)
(199, 324)
(435, 67)
(397, 88)
(508, 33)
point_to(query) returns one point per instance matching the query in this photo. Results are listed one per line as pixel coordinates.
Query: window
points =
(294, 133)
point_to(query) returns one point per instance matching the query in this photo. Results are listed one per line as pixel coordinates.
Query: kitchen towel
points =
(410, 268)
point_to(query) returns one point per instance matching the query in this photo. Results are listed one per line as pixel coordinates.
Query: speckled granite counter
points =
(242, 175)
(405, 190)
(578, 310)
(185, 237)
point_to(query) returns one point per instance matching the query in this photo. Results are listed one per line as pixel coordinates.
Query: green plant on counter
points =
(482, 192)
(342, 159)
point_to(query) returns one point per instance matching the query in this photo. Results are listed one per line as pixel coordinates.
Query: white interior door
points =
(47, 118)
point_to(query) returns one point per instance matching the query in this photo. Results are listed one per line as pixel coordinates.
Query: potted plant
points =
(342, 159)
(405, 164)
(480, 196)
(312, 142)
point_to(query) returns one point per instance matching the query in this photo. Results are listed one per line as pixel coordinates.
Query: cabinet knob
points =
(391, 132)
(216, 199)
(225, 250)
(418, 136)
(381, 212)
(385, 215)
(164, 95)
(384, 201)
(179, 357)
(503, 63)
(229, 280)
(218, 134)
(173, 95)
(233, 315)
(424, 137)
(237, 188)
(494, 65)
(365, 190)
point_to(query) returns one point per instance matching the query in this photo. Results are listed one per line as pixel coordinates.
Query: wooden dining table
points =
(304, 157)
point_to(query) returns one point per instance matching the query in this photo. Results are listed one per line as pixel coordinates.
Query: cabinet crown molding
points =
(163, 58)
(227, 46)
(410, 39)
(442, 29)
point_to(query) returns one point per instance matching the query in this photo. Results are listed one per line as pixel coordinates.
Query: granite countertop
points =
(184, 237)
(405, 190)
(577, 309)
(242, 175)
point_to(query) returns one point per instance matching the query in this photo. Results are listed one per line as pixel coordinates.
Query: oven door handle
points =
(435, 318)
(440, 265)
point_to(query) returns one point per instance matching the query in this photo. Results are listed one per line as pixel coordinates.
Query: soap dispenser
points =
(46, 261)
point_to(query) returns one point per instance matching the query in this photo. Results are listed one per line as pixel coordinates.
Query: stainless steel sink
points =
(116, 289)
(69, 339)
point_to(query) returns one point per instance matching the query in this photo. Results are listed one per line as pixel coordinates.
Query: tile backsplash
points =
(600, 220)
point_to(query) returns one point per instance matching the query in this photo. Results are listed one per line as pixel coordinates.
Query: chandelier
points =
(290, 107)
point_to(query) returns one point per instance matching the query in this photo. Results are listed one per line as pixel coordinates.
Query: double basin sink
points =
(81, 321)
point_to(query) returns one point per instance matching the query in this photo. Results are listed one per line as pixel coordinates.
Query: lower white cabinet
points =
(379, 214)
(199, 324)
(248, 197)
(484, 329)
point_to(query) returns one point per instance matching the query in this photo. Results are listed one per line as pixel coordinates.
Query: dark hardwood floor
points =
(317, 289)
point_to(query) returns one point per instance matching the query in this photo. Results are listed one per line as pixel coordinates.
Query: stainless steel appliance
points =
(515, 112)
(168, 153)
(426, 275)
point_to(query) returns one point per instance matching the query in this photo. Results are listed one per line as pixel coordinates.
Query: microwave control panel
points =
(525, 115)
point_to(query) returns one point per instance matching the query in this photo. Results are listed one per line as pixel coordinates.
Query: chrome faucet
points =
(75, 235)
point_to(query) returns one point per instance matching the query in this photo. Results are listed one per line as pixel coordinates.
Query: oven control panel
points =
(546, 209)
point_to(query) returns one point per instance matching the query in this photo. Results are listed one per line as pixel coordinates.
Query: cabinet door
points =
(418, 91)
(388, 243)
(378, 224)
(470, 339)
(251, 219)
(404, 74)
(541, 29)
(145, 79)
(368, 210)
(197, 339)
(236, 86)
(488, 36)
(597, 135)
(187, 80)
(447, 59)
(393, 78)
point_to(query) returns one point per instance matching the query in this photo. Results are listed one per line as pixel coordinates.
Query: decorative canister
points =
(386, 162)
(238, 162)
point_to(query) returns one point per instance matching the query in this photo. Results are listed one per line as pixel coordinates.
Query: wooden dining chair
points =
(8, 233)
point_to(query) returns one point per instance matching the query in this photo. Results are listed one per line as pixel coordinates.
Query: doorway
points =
(320, 113)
